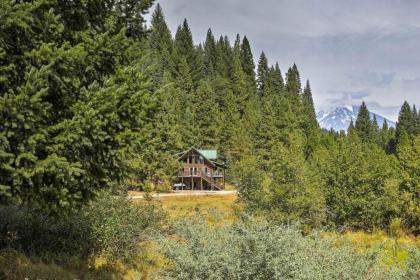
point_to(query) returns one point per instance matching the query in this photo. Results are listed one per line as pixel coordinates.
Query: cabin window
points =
(201, 160)
(193, 170)
(206, 170)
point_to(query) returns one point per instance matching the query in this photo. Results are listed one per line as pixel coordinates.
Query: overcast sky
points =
(350, 50)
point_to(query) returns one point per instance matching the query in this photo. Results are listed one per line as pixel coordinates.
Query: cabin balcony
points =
(217, 174)
(197, 173)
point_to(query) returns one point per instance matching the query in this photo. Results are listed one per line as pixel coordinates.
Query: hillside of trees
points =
(93, 99)
(90, 96)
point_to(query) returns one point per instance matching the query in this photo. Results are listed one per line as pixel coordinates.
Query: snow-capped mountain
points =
(339, 118)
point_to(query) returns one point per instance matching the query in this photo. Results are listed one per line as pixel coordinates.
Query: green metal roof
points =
(210, 154)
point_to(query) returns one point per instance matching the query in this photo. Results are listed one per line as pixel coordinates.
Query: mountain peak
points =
(351, 108)
(340, 117)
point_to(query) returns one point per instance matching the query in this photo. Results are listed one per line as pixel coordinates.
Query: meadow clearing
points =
(216, 211)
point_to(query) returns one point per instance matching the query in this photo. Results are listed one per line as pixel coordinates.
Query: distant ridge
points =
(339, 118)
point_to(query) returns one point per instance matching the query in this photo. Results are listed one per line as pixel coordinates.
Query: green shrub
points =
(117, 225)
(40, 235)
(413, 266)
(257, 250)
(110, 226)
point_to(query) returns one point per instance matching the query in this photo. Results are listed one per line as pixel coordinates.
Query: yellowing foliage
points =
(394, 251)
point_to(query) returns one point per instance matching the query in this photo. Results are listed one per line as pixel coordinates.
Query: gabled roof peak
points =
(206, 153)
(210, 154)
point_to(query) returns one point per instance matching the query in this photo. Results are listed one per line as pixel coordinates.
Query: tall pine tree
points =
(364, 126)
(309, 108)
(294, 88)
(406, 121)
(160, 43)
(263, 75)
(210, 54)
(247, 59)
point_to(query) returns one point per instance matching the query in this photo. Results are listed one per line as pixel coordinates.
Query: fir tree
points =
(130, 15)
(309, 108)
(239, 85)
(289, 190)
(160, 35)
(362, 186)
(294, 88)
(384, 136)
(293, 84)
(210, 54)
(364, 126)
(208, 118)
(184, 48)
(231, 119)
(247, 59)
(160, 42)
(297, 192)
(310, 124)
(224, 57)
(416, 121)
(165, 138)
(408, 153)
(275, 80)
(385, 126)
(263, 75)
(77, 102)
(278, 81)
(184, 42)
(375, 122)
(405, 122)
(351, 126)
(375, 130)
(184, 78)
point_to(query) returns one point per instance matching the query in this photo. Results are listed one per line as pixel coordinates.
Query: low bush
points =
(117, 225)
(110, 227)
(257, 250)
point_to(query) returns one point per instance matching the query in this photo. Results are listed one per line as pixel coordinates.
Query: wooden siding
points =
(198, 172)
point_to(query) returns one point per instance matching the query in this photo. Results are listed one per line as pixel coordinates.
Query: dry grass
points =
(230, 187)
(15, 265)
(363, 239)
(393, 251)
(135, 193)
(188, 206)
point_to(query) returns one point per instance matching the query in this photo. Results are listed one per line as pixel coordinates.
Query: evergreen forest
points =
(93, 99)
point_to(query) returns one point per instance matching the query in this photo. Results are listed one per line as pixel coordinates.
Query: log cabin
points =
(200, 171)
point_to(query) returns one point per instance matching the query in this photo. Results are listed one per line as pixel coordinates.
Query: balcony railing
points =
(198, 173)
(218, 174)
